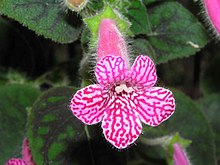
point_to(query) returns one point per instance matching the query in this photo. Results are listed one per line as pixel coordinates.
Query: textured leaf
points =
(142, 46)
(137, 15)
(45, 17)
(210, 105)
(14, 99)
(135, 11)
(174, 33)
(57, 137)
(191, 124)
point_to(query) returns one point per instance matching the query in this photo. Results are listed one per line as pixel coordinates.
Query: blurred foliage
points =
(210, 105)
(210, 77)
(15, 101)
(170, 31)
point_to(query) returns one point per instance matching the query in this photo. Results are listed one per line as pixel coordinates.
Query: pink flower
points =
(179, 157)
(27, 157)
(122, 99)
(212, 8)
(124, 95)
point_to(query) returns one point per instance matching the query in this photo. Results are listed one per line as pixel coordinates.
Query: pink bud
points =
(110, 41)
(212, 8)
(27, 157)
(179, 156)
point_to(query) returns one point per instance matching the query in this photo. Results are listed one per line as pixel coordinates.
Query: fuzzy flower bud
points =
(110, 41)
(75, 5)
(179, 156)
(212, 8)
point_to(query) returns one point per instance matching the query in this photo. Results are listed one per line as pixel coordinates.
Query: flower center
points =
(123, 87)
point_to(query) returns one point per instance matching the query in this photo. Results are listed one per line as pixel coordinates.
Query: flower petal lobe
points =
(88, 104)
(121, 125)
(15, 162)
(111, 70)
(154, 105)
(143, 72)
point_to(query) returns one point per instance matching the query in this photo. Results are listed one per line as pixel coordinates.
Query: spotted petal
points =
(15, 162)
(143, 72)
(154, 105)
(111, 70)
(88, 104)
(121, 125)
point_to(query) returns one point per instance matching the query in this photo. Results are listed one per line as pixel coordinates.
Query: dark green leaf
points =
(210, 78)
(57, 137)
(142, 46)
(137, 14)
(149, 2)
(45, 17)
(14, 99)
(92, 8)
(210, 105)
(191, 124)
(146, 155)
(174, 33)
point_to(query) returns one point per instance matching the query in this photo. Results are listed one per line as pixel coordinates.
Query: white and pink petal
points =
(121, 125)
(111, 70)
(15, 161)
(88, 104)
(154, 105)
(143, 72)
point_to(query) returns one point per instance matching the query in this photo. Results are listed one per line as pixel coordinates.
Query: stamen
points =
(123, 87)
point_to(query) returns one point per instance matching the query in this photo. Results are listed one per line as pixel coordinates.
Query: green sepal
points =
(94, 21)
(184, 143)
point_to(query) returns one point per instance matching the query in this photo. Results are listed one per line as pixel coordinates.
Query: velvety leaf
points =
(45, 17)
(14, 101)
(136, 12)
(174, 33)
(192, 125)
(210, 79)
(57, 137)
(137, 15)
(142, 46)
(210, 105)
